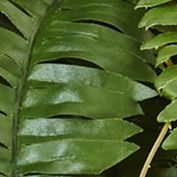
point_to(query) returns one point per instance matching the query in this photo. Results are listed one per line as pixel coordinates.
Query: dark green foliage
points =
(71, 73)
(161, 18)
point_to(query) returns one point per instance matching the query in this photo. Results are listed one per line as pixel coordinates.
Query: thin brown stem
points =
(154, 149)
(158, 141)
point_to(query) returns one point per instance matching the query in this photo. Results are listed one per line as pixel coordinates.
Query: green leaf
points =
(7, 65)
(166, 83)
(150, 3)
(88, 76)
(171, 141)
(5, 130)
(76, 133)
(32, 10)
(166, 53)
(68, 77)
(78, 100)
(41, 129)
(5, 160)
(16, 49)
(160, 40)
(163, 20)
(22, 21)
(7, 99)
(163, 15)
(109, 55)
(92, 31)
(64, 156)
(116, 13)
(169, 114)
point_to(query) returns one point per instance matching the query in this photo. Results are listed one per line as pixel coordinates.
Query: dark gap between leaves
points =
(69, 117)
(174, 59)
(3, 174)
(3, 146)
(6, 23)
(4, 82)
(1, 112)
(74, 61)
(19, 7)
(101, 24)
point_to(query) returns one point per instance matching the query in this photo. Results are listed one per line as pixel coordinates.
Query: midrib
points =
(21, 91)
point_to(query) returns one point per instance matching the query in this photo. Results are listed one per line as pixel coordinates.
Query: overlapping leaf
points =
(57, 117)
(150, 3)
(164, 17)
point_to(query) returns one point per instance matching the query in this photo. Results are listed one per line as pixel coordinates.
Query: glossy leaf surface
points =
(160, 40)
(166, 82)
(150, 3)
(163, 15)
(162, 18)
(169, 113)
(69, 75)
(166, 53)
(44, 74)
(170, 142)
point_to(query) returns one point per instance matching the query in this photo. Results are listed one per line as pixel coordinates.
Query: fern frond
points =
(163, 18)
(69, 77)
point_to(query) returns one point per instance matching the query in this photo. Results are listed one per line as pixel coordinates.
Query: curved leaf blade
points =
(64, 156)
(169, 113)
(164, 15)
(160, 40)
(166, 83)
(44, 74)
(150, 3)
(166, 53)
(170, 142)
(41, 129)
(32, 99)
(78, 100)
(18, 18)
(102, 11)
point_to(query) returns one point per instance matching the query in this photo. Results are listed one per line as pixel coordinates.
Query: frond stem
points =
(21, 92)
(154, 149)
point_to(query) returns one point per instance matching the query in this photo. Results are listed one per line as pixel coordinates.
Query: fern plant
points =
(161, 18)
(69, 75)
